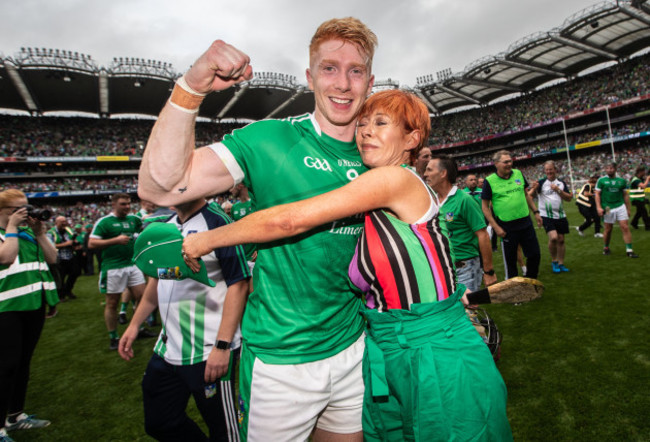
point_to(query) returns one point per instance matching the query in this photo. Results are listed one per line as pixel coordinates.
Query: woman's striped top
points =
(397, 264)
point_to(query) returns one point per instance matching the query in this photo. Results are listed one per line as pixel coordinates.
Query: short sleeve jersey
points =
(303, 307)
(119, 255)
(191, 311)
(612, 191)
(463, 218)
(476, 194)
(548, 200)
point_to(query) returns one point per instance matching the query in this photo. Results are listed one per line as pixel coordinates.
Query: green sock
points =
(113, 334)
(607, 245)
(133, 305)
(628, 247)
(123, 306)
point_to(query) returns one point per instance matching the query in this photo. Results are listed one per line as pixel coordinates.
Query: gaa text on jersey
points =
(317, 163)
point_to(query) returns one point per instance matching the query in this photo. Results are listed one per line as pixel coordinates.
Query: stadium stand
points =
(72, 164)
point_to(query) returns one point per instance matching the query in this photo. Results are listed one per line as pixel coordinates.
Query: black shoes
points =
(121, 318)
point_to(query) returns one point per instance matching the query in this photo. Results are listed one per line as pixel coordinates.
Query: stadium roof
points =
(39, 80)
(606, 32)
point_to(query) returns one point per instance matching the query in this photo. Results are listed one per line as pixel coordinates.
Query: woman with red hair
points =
(427, 372)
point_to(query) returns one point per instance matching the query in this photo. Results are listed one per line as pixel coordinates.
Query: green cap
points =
(89, 226)
(157, 252)
(77, 226)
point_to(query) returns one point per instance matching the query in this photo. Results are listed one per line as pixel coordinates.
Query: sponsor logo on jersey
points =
(317, 163)
(348, 163)
(352, 174)
(348, 226)
(449, 216)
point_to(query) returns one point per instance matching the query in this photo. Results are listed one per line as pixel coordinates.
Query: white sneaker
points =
(580, 232)
(598, 235)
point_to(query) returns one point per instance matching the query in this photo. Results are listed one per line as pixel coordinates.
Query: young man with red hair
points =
(301, 358)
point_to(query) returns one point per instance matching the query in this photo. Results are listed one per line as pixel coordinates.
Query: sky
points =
(416, 37)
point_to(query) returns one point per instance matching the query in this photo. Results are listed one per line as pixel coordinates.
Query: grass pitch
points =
(576, 362)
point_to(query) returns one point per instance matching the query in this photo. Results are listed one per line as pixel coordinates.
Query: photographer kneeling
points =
(26, 286)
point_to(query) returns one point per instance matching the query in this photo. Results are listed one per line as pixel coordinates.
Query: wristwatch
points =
(222, 345)
(489, 272)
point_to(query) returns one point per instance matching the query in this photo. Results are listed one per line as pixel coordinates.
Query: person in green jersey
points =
(638, 185)
(613, 204)
(303, 346)
(472, 188)
(114, 234)
(26, 287)
(470, 242)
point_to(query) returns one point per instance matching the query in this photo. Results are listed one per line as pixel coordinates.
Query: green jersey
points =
(463, 217)
(119, 255)
(238, 211)
(612, 191)
(303, 307)
(476, 194)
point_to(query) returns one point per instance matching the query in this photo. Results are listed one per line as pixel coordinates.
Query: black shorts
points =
(560, 225)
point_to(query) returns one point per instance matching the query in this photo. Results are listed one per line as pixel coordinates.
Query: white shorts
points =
(117, 280)
(617, 214)
(288, 401)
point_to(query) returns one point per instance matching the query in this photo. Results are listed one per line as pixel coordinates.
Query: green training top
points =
(303, 307)
(509, 196)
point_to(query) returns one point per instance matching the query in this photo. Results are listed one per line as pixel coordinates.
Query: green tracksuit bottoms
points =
(430, 377)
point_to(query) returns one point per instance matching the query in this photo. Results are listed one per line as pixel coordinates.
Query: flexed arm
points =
(172, 170)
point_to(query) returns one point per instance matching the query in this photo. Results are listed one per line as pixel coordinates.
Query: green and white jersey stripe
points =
(549, 201)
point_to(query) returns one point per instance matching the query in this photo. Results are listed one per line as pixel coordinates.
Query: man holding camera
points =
(67, 267)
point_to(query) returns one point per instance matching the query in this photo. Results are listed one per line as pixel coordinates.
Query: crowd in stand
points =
(128, 183)
(468, 156)
(603, 87)
(73, 136)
